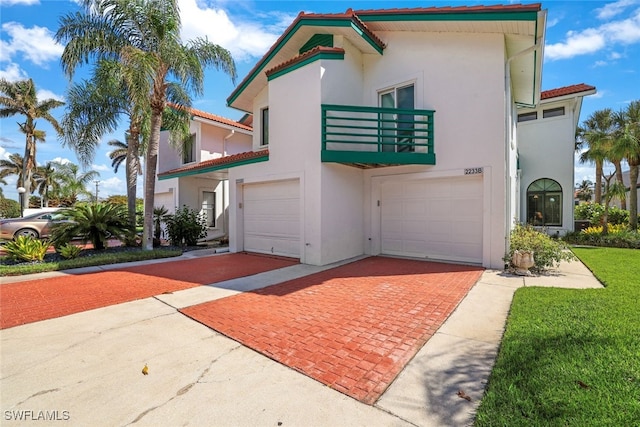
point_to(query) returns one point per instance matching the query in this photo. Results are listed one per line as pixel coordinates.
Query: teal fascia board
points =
(214, 168)
(453, 16)
(309, 22)
(312, 58)
(372, 157)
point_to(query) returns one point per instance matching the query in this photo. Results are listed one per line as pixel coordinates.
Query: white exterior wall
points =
(294, 153)
(546, 148)
(461, 77)
(342, 208)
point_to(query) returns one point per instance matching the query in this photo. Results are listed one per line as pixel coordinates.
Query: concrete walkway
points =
(86, 367)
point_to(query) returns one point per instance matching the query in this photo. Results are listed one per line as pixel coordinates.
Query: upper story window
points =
(398, 129)
(525, 117)
(264, 126)
(544, 203)
(189, 149)
(553, 112)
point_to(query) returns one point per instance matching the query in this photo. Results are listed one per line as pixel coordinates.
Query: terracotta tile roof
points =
(213, 117)
(299, 58)
(454, 9)
(218, 163)
(566, 90)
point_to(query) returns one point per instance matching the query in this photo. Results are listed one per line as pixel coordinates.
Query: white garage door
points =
(434, 218)
(272, 218)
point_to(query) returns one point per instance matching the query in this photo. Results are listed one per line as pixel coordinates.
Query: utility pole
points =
(97, 182)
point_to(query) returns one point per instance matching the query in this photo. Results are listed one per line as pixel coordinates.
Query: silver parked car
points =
(36, 225)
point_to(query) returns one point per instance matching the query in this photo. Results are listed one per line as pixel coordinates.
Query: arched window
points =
(544, 203)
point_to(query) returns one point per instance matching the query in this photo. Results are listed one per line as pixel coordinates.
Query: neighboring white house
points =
(627, 184)
(546, 149)
(197, 176)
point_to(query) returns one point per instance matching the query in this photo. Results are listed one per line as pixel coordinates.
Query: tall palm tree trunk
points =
(597, 194)
(151, 163)
(618, 166)
(131, 169)
(633, 195)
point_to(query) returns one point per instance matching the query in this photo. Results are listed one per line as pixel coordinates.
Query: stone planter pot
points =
(523, 261)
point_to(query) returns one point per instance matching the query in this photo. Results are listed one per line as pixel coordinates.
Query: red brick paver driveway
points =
(352, 328)
(31, 301)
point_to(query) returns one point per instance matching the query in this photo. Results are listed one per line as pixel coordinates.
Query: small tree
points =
(94, 222)
(185, 227)
(159, 216)
(611, 190)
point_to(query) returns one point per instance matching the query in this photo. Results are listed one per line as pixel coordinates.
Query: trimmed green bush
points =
(594, 213)
(615, 239)
(547, 252)
(26, 248)
(185, 227)
(69, 251)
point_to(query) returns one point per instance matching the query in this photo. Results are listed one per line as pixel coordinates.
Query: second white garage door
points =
(433, 218)
(272, 218)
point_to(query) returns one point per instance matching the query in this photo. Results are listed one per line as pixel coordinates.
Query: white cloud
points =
(600, 64)
(591, 40)
(112, 187)
(61, 160)
(244, 39)
(19, 2)
(35, 44)
(101, 168)
(13, 73)
(577, 43)
(47, 94)
(612, 9)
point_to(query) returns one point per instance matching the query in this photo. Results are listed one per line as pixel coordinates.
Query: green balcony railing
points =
(372, 136)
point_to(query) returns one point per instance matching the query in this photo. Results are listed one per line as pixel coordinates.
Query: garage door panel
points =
(272, 218)
(436, 218)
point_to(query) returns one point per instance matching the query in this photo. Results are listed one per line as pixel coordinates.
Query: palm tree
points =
(19, 98)
(627, 146)
(611, 190)
(597, 134)
(585, 191)
(13, 166)
(144, 36)
(47, 181)
(74, 183)
(94, 109)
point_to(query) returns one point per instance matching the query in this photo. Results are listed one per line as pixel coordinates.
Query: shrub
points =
(547, 252)
(620, 238)
(69, 251)
(26, 248)
(613, 229)
(9, 208)
(185, 227)
(594, 213)
(94, 222)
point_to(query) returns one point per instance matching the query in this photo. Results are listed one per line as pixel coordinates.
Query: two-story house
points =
(195, 173)
(396, 132)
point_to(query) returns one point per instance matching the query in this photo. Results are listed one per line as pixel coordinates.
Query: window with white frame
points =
(189, 149)
(209, 207)
(397, 129)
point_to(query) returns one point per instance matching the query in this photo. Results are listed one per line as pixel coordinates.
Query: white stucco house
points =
(546, 148)
(396, 132)
(197, 175)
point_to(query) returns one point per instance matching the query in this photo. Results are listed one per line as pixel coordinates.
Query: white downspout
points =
(224, 141)
(509, 144)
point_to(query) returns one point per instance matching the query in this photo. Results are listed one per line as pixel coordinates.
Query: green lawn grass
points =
(571, 357)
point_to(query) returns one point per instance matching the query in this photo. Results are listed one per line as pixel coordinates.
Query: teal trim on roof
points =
(309, 60)
(304, 21)
(325, 40)
(452, 16)
(214, 168)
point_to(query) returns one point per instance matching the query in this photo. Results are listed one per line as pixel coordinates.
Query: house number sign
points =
(472, 171)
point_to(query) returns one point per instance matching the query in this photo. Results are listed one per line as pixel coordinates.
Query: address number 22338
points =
(472, 171)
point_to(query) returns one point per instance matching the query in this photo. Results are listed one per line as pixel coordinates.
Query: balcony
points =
(371, 137)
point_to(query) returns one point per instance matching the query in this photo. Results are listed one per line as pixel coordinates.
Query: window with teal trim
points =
(544, 203)
(264, 125)
(317, 40)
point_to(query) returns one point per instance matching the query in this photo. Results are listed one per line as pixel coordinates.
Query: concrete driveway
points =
(85, 368)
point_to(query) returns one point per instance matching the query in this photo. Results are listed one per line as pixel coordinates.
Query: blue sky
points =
(592, 42)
